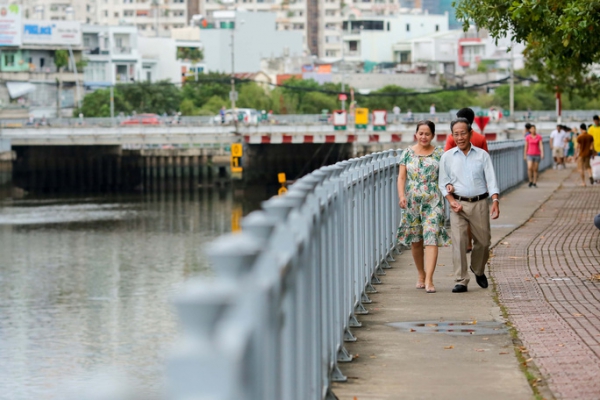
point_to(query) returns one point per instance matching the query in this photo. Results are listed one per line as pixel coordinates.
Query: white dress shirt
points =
(471, 174)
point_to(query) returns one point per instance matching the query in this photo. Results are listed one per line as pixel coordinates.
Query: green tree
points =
(214, 104)
(253, 96)
(187, 107)
(160, 97)
(208, 86)
(314, 102)
(97, 104)
(61, 59)
(560, 36)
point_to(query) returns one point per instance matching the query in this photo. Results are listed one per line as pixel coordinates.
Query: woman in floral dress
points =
(422, 226)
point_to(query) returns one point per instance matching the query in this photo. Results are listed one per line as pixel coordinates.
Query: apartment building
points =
(151, 17)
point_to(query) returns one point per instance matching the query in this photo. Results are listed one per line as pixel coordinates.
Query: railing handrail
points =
(273, 323)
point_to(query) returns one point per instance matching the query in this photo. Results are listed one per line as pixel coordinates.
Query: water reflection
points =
(85, 283)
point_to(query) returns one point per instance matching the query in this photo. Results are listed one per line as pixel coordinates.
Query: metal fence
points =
(288, 288)
(287, 119)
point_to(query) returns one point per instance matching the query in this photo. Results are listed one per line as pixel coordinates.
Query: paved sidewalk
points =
(542, 272)
(398, 363)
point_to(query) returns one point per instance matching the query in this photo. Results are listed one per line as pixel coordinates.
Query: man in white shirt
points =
(557, 144)
(467, 179)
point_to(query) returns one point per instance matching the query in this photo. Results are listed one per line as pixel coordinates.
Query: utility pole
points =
(112, 105)
(512, 84)
(233, 94)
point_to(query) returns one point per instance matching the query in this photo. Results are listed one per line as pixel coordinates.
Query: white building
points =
(373, 38)
(169, 59)
(151, 19)
(254, 37)
(112, 55)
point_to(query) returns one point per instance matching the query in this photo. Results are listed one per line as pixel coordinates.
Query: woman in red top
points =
(534, 152)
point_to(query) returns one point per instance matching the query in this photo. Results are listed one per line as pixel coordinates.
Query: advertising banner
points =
(52, 32)
(10, 24)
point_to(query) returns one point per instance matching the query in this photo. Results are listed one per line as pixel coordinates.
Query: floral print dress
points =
(423, 218)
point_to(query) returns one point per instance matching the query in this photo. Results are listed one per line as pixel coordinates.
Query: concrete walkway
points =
(395, 363)
(547, 275)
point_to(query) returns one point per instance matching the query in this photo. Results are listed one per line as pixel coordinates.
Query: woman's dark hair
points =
(582, 126)
(430, 124)
(462, 120)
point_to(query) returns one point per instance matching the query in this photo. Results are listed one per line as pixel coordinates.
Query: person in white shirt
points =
(432, 110)
(557, 144)
(396, 111)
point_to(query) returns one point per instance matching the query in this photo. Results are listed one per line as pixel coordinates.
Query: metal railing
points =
(569, 116)
(273, 323)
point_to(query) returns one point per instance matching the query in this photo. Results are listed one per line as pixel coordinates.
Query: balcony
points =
(122, 50)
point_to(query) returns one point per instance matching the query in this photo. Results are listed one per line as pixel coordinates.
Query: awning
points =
(18, 89)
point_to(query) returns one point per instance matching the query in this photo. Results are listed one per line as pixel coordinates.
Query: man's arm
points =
(490, 179)
(443, 176)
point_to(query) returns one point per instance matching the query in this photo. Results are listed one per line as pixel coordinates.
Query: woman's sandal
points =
(420, 285)
(430, 289)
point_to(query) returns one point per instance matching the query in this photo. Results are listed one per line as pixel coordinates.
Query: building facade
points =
(254, 37)
(151, 17)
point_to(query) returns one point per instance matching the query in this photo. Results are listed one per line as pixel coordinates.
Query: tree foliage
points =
(561, 36)
(144, 97)
(61, 59)
(97, 104)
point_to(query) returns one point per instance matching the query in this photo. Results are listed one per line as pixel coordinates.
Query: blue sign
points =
(31, 29)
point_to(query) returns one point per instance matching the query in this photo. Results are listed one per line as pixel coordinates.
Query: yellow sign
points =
(361, 116)
(236, 150)
(235, 164)
(282, 190)
(281, 177)
(236, 217)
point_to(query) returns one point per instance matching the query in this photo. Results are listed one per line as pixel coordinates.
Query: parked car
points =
(142, 119)
(248, 116)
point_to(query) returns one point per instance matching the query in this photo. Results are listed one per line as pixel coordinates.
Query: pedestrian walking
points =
(222, 114)
(477, 139)
(533, 154)
(422, 228)
(396, 111)
(526, 130)
(432, 110)
(467, 180)
(585, 143)
(557, 144)
(594, 130)
(569, 145)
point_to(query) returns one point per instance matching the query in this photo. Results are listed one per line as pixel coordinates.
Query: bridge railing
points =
(568, 116)
(273, 322)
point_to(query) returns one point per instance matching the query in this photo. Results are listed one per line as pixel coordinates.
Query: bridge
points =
(291, 288)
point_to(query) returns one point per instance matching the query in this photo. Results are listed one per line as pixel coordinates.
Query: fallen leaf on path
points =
(448, 347)
(431, 325)
(542, 329)
(441, 265)
(504, 242)
(503, 352)
(527, 279)
(372, 357)
(561, 345)
(578, 315)
(480, 350)
(486, 338)
(537, 276)
(529, 360)
(356, 356)
(595, 277)
(412, 330)
(515, 258)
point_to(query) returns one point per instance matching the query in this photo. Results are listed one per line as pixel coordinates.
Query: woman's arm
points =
(541, 144)
(402, 186)
(525, 149)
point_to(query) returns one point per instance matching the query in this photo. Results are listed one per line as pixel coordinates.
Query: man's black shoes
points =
(459, 289)
(481, 279)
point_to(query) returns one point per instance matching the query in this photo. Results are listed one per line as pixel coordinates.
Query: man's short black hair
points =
(466, 113)
(528, 126)
(595, 117)
(461, 120)
(582, 126)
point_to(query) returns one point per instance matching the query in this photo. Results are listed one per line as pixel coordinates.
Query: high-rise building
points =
(441, 7)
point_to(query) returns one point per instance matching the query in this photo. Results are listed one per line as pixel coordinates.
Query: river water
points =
(86, 283)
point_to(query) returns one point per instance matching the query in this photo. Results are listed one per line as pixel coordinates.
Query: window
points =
(298, 26)
(437, 28)
(407, 27)
(105, 13)
(117, 14)
(330, 13)
(388, 26)
(142, 27)
(148, 76)
(42, 62)
(330, 53)
(353, 45)
(9, 59)
(86, 42)
(128, 13)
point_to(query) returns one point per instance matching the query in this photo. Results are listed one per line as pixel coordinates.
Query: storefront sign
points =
(52, 32)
